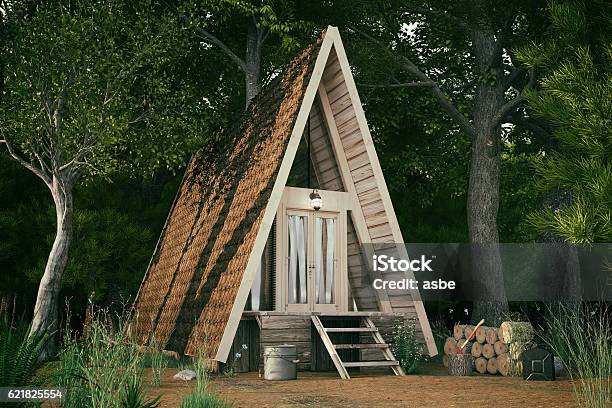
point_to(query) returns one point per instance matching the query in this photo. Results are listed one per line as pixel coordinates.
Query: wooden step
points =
(360, 346)
(350, 329)
(384, 363)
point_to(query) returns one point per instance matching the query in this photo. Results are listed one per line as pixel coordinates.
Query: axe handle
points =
(480, 323)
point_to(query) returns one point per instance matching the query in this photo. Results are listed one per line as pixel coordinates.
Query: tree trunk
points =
(483, 190)
(46, 308)
(253, 63)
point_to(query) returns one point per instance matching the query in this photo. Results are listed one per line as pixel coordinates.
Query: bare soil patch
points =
(430, 388)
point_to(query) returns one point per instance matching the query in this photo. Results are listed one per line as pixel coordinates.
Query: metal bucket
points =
(280, 362)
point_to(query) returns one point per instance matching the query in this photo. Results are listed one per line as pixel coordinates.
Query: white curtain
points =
(298, 233)
(324, 259)
(256, 288)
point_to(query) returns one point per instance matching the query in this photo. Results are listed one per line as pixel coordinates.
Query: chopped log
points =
(491, 335)
(458, 331)
(503, 365)
(445, 360)
(481, 334)
(466, 350)
(468, 330)
(515, 350)
(450, 346)
(487, 351)
(515, 368)
(481, 365)
(500, 347)
(515, 358)
(512, 332)
(476, 349)
(492, 366)
(460, 364)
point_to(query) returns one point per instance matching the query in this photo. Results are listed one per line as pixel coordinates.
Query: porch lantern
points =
(316, 202)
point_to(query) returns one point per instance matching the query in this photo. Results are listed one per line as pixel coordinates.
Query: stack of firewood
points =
(495, 350)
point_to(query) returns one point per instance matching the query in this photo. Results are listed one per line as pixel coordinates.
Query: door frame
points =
(296, 200)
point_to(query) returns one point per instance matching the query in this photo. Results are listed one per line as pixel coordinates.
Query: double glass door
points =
(312, 255)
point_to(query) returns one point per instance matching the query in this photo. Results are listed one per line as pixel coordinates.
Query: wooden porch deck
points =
(249, 313)
(351, 345)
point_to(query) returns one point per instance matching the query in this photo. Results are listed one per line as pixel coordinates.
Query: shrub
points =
(581, 336)
(19, 352)
(406, 348)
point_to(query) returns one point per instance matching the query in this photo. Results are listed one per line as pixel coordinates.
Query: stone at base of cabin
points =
(185, 375)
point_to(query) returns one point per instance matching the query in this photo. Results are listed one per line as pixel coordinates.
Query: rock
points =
(185, 375)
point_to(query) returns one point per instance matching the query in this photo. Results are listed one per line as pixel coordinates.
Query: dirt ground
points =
(430, 388)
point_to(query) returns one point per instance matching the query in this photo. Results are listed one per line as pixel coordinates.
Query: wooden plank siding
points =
(289, 329)
(366, 186)
(329, 178)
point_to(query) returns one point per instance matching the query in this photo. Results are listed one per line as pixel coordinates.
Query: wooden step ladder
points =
(379, 343)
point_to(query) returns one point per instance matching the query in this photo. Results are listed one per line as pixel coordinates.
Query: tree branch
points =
(517, 101)
(446, 104)
(237, 60)
(399, 85)
(38, 172)
(428, 11)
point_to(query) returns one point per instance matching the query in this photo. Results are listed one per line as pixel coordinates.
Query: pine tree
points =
(575, 96)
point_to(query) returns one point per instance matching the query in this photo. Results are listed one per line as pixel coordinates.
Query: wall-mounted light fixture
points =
(316, 202)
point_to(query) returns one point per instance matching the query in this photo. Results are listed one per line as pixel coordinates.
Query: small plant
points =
(19, 352)
(230, 372)
(134, 396)
(582, 337)
(202, 399)
(406, 348)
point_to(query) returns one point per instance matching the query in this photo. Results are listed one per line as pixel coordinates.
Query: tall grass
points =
(201, 397)
(159, 363)
(103, 368)
(582, 338)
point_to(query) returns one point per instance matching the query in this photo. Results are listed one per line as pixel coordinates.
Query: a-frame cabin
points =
(244, 258)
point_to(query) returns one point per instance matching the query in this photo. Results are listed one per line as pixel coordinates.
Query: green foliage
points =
(134, 396)
(582, 337)
(202, 399)
(576, 97)
(19, 352)
(116, 227)
(108, 74)
(406, 348)
(440, 332)
(159, 363)
(104, 368)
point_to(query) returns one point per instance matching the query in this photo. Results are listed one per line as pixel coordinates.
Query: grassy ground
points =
(431, 387)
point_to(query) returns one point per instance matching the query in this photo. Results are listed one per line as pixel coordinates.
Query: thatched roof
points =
(190, 287)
